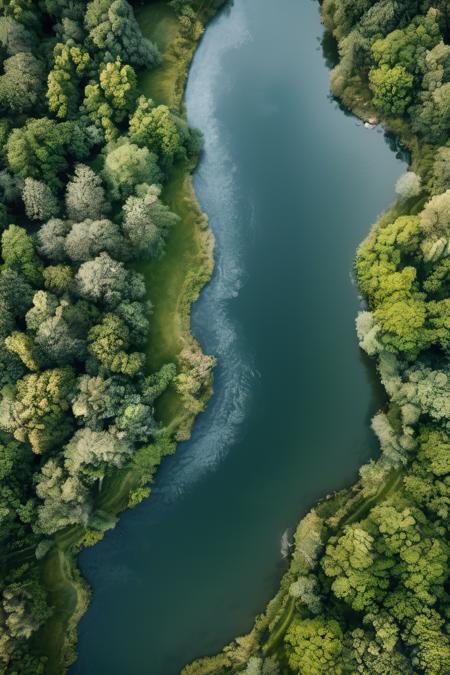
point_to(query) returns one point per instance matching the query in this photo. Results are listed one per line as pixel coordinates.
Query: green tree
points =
(158, 129)
(71, 63)
(127, 166)
(19, 255)
(392, 89)
(22, 84)
(39, 410)
(42, 149)
(314, 646)
(25, 348)
(108, 342)
(114, 32)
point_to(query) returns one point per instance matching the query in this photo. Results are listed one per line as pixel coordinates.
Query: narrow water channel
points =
(291, 186)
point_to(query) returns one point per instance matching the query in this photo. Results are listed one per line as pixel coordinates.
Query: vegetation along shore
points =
(104, 249)
(366, 587)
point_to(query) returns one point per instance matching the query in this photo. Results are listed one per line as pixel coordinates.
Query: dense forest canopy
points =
(367, 588)
(83, 161)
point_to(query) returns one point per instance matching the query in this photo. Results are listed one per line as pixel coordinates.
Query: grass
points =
(280, 629)
(159, 24)
(174, 283)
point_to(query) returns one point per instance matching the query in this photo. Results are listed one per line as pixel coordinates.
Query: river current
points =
(291, 185)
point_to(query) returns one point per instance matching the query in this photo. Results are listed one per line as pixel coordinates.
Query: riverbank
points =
(174, 283)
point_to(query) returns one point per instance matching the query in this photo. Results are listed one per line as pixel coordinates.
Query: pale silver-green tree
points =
(107, 281)
(91, 452)
(40, 202)
(90, 237)
(305, 589)
(367, 330)
(85, 196)
(146, 222)
(408, 185)
(435, 217)
(51, 239)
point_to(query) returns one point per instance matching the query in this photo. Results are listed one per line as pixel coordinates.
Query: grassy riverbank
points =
(174, 283)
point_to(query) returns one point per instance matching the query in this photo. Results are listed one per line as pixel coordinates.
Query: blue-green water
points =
(291, 186)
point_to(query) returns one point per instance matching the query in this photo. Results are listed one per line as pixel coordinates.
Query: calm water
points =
(291, 186)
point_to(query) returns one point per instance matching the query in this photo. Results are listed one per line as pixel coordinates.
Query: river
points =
(291, 185)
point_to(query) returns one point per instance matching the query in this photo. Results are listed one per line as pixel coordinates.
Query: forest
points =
(84, 159)
(367, 586)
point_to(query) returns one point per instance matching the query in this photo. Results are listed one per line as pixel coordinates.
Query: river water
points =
(291, 185)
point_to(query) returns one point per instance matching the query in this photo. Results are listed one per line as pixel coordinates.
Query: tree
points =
(408, 185)
(97, 399)
(114, 32)
(25, 608)
(158, 129)
(408, 46)
(434, 447)
(71, 63)
(44, 306)
(314, 646)
(146, 222)
(42, 148)
(341, 17)
(89, 453)
(135, 315)
(435, 217)
(369, 656)
(90, 237)
(65, 500)
(431, 644)
(40, 202)
(58, 278)
(22, 84)
(18, 253)
(106, 281)
(135, 422)
(127, 166)
(16, 293)
(23, 345)
(441, 171)
(392, 89)
(58, 342)
(14, 36)
(306, 591)
(51, 239)
(359, 576)
(39, 409)
(119, 86)
(108, 342)
(85, 196)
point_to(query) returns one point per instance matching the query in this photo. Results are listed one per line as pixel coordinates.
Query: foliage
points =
(127, 166)
(76, 397)
(314, 646)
